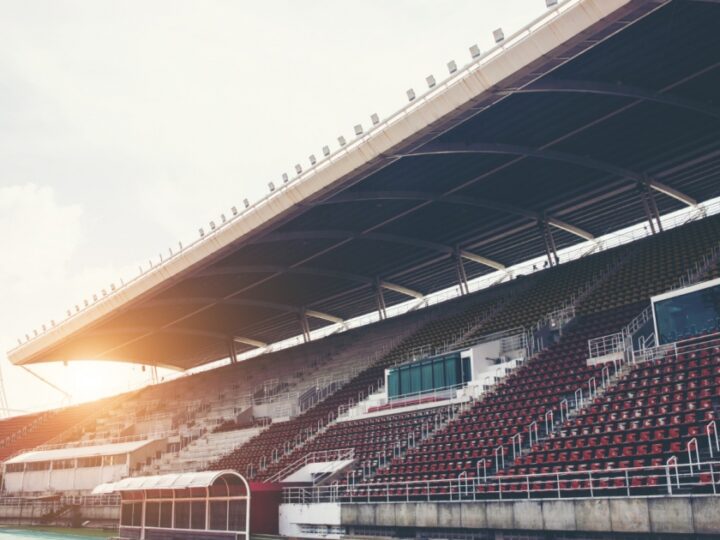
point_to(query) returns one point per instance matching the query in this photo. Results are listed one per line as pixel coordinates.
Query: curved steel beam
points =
(357, 196)
(443, 149)
(178, 331)
(251, 342)
(619, 90)
(381, 237)
(143, 329)
(322, 272)
(273, 269)
(276, 306)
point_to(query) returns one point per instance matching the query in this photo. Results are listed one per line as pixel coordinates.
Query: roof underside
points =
(568, 142)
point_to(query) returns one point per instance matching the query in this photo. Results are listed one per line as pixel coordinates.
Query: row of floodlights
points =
(475, 53)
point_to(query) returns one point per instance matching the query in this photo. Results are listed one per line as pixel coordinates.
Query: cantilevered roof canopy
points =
(580, 125)
(112, 449)
(201, 479)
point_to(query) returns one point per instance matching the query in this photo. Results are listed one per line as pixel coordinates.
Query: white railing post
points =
(477, 469)
(578, 400)
(533, 427)
(712, 426)
(672, 461)
(501, 449)
(690, 443)
(551, 425)
(565, 416)
(516, 440)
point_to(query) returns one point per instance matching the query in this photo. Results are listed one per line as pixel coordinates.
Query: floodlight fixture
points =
(298, 169)
(475, 51)
(271, 186)
(285, 178)
(246, 203)
(410, 94)
(326, 150)
(234, 210)
(498, 35)
(551, 3)
(358, 129)
(312, 159)
(201, 231)
(342, 141)
(375, 119)
(452, 67)
(212, 225)
(430, 80)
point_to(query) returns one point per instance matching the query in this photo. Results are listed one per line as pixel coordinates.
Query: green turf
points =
(52, 533)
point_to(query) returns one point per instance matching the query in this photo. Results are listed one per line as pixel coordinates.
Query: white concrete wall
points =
(292, 516)
(85, 478)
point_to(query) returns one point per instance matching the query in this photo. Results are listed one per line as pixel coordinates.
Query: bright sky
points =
(125, 126)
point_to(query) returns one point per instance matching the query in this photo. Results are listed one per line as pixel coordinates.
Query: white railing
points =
(622, 341)
(313, 457)
(671, 479)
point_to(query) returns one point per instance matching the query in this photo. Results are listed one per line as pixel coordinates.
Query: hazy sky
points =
(125, 126)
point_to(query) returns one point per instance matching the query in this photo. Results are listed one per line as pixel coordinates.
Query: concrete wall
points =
(30, 513)
(294, 516)
(680, 515)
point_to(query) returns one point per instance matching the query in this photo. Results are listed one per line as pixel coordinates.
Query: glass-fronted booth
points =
(199, 506)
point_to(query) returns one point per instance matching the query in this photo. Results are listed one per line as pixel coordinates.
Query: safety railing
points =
(671, 479)
(313, 457)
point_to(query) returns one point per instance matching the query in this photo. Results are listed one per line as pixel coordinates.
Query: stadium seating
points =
(648, 416)
(40, 428)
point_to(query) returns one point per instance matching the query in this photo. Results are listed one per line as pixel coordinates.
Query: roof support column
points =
(653, 204)
(232, 351)
(549, 243)
(462, 275)
(380, 300)
(304, 326)
(644, 199)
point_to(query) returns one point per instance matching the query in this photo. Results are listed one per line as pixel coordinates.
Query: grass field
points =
(51, 533)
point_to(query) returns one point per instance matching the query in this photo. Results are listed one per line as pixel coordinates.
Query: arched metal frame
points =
(182, 488)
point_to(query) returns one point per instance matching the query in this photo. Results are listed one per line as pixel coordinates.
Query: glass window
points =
(688, 315)
(415, 382)
(166, 514)
(152, 514)
(198, 515)
(15, 467)
(439, 373)
(182, 515)
(94, 461)
(393, 384)
(405, 380)
(427, 376)
(237, 516)
(218, 515)
(451, 371)
(466, 370)
(126, 514)
(137, 514)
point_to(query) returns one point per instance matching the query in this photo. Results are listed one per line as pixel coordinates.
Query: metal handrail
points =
(557, 485)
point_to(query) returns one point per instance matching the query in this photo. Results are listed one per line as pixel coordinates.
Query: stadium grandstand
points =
(494, 314)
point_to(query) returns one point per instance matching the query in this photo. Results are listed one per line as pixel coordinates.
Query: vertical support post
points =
(551, 242)
(644, 199)
(232, 351)
(304, 326)
(380, 300)
(462, 275)
(653, 205)
(548, 252)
